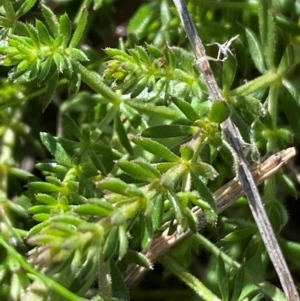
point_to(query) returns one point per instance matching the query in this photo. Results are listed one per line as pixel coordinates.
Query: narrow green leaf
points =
(118, 186)
(153, 110)
(156, 148)
(34, 70)
(287, 24)
(119, 54)
(157, 210)
(223, 278)
(74, 83)
(229, 71)
(119, 288)
(186, 109)
(39, 209)
(151, 83)
(123, 241)
(192, 220)
(239, 234)
(169, 131)
(171, 59)
(36, 229)
(140, 22)
(65, 28)
(59, 62)
(47, 69)
(54, 180)
(255, 50)
(34, 35)
(186, 152)
(55, 148)
(204, 170)
(101, 203)
(138, 258)
(287, 60)
(69, 70)
(24, 8)
(9, 9)
(52, 167)
(43, 186)
(97, 161)
(73, 220)
(147, 232)
(290, 248)
(23, 65)
(97, 5)
(44, 238)
(267, 32)
(46, 199)
(202, 108)
(135, 56)
(278, 214)
(79, 29)
(51, 20)
(72, 126)
(90, 209)
(155, 51)
(139, 87)
(129, 83)
(139, 170)
(288, 184)
(111, 244)
(23, 44)
(122, 135)
(41, 217)
(135, 118)
(291, 109)
(206, 195)
(175, 204)
(106, 151)
(19, 76)
(44, 34)
(165, 13)
(243, 127)
(238, 284)
(144, 55)
(52, 83)
(76, 54)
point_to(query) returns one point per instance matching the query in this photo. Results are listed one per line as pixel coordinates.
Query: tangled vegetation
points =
(109, 138)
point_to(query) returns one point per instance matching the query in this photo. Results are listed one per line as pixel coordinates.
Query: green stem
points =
(270, 185)
(273, 292)
(202, 291)
(94, 81)
(259, 83)
(50, 282)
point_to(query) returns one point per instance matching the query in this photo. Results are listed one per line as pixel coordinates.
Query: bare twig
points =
(233, 136)
(224, 198)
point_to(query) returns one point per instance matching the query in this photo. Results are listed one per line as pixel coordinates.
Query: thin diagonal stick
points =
(233, 136)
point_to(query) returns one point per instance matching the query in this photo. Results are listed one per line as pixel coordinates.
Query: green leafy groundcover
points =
(125, 143)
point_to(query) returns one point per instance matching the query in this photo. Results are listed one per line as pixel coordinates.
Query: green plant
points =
(139, 145)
